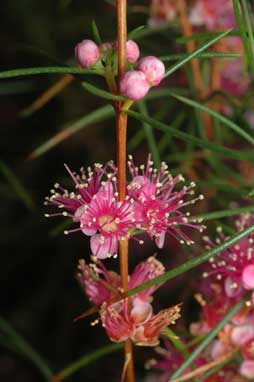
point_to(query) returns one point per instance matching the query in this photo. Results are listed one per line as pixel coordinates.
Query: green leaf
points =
(203, 36)
(237, 129)
(196, 52)
(192, 139)
(101, 93)
(246, 13)
(135, 32)
(212, 334)
(48, 70)
(86, 360)
(191, 263)
(17, 186)
(241, 26)
(98, 115)
(180, 56)
(224, 213)
(25, 348)
(149, 135)
(176, 341)
(96, 33)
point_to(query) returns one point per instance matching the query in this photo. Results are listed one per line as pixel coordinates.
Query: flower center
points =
(108, 223)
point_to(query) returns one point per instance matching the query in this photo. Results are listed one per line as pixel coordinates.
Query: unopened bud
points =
(87, 53)
(153, 68)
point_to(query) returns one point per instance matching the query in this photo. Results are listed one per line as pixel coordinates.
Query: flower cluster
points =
(153, 205)
(136, 82)
(226, 280)
(131, 318)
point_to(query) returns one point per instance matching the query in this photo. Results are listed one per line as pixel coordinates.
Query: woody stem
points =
(121, 132)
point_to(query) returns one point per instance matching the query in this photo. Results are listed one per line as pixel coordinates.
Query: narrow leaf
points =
(180, 56)
(224, 213)
(196, 52)
(101, 93)
(135, 32)
(212, 334)
(192, 263)
(149, 135)
(241, 26)
(192, 139)
(203, 36)
(246, 13)
(216, 115)
(98, 115)
(96, 33)
(17, 186)
(48, 70)
(25, 348)
(86, 360)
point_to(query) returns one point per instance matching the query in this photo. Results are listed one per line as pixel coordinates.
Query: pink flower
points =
(133, 85)
(87, 53)
(234, 266)
(153, 69)
(106, 220)
(159, 205)
(96, 207)
(213, 14)
(233, 79)
(86, 186)
(96, 288)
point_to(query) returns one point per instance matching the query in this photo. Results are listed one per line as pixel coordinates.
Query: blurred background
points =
(40, 295)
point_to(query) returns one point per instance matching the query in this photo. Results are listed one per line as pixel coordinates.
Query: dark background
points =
(39, 293)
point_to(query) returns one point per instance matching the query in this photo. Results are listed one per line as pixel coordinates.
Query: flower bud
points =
(248, 277)
(153, 68)
(87, 53)
(132, 51)
(134, 85)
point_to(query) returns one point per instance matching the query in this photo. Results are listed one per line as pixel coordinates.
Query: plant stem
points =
(195, 66)
(121, 131)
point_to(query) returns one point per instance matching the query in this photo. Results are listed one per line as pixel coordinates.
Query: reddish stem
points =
(121, 131)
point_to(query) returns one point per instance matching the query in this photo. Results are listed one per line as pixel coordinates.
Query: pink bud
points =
(87, 53)
(153, 69)
(247, 369)
(248, 277)
(134, 85)
(132, 51)
(105, 46)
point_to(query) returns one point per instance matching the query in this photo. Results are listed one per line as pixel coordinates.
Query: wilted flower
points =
(132, 318)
